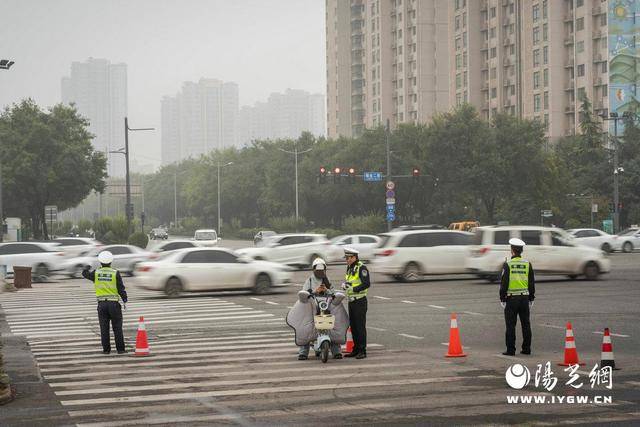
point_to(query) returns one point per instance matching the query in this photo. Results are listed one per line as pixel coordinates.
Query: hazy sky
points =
(263, 45)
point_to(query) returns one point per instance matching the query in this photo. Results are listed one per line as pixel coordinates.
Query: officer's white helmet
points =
(350, 251)
(319, 264)
(105, 257)
(517, 242)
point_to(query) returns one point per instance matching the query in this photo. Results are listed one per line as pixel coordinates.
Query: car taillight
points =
(483, 251)
(387, 252)
(144, 268)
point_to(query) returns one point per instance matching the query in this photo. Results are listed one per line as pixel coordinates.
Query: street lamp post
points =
(219, 221)
(5, 64)
(295, 152)
(386, 138)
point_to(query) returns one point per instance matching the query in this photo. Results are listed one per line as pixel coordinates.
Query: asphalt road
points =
(228, 358)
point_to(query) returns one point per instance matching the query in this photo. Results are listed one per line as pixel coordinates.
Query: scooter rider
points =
(318, 283)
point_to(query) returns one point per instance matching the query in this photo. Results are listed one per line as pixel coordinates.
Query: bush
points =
(369, 224)
(111, 230)
(244, 233)
(330, 232)
(139, 239)
(287, 224)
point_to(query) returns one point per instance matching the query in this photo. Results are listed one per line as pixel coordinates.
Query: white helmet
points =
(319, 264)
(517, 242)
(105, 257)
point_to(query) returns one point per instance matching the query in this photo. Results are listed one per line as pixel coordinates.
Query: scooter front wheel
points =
(324, 351)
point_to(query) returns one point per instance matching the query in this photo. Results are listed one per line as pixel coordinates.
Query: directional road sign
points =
(391, 216)
(372, 176)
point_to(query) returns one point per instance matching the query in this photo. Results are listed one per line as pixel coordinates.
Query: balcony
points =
(597, 34)
(568, 39)
(598, 81)
(507, 62)
(568, 16)
(483, 6)
(507, 82)
(598, 10)
(569, 109)
(570, 85)
(485, 86)
(599, 58)
(507, 41)
(569, 64)
(485, 45)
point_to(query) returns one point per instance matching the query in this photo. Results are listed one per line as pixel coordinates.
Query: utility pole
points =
(5, 64)
(295, 152)
(219, 219)
(386, 137)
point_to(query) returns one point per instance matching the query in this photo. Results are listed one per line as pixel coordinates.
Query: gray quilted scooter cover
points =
(300, 318)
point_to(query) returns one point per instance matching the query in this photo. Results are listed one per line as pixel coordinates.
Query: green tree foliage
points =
(138, 239)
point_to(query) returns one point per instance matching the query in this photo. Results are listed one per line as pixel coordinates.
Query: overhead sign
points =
(594, 208)
(391, 185)
(546, 213)
(51, 213)
(121, 189)
(372, 176)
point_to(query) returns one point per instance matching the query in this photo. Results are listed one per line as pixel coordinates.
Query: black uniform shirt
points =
(91, 275)
(504, 283)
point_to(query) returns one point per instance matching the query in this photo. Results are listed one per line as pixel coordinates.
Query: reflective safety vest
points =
(105, 284)
(518, 276)
(354, 279)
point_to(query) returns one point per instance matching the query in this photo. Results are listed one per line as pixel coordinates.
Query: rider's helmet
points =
(319, 264)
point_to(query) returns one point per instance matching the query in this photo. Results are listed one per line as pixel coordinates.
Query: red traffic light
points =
(415, 172)
(323, 170)
(336, 171)
(352, 171)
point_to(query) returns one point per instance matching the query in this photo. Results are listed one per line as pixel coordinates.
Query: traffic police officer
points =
(517, 292)
(357, 283)
(109, 290)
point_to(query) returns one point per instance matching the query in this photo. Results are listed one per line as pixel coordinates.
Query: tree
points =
(47, 159)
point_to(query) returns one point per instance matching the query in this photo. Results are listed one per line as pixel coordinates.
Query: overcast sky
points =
(263, 45)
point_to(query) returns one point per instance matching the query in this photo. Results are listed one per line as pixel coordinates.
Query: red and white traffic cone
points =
(142, 345)
(348, 346)
(570, 351)
(455, 345)
(607, 351)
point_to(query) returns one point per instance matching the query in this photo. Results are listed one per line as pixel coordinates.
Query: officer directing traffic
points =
(109, 290)
(517, 292)
(357, 283)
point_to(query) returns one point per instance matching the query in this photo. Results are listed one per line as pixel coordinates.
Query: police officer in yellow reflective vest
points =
(517, 292)
(357, 283)
(109, 290)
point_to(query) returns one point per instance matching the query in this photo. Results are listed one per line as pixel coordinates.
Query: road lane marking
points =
(437, 306)
(379, 297)
(551, 326)
(407, 302)
(464, 347)
(376, 329)
(255, 299)
(272, 303)
(612, 334)
(473, 313)
(411, 336)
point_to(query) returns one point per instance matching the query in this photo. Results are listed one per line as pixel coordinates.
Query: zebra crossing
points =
(213, 361)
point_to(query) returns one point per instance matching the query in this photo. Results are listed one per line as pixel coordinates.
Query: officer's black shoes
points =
(361, 356)
(302, 357)
(106, 351)
(508, 353)
(352, 354)
(337, 356)
(525, 352)
(122, 351)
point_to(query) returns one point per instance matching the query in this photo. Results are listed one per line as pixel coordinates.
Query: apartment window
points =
(579, 3)
(401, 100)
(466, 96)
(494, 93)
(458, 43)
(493, 12)
(457, 22)
(493, 52)
(546, 121)
(536, 57)
(582, 94)
(512, 28)
(603, 20)
(545, 55)
(536, 103)
(580, 70)
(464, 40)
(458, 99)
(536, 13)
(493, 73)
(400, 84)
(464, 79)
(546, 100)
(536, 80)
(536, 35)
(512, 8)
(580, 47)
(544, 9)
(579, 24)
(464, 59)
(464, 19)
(458, 4)
(604, 67)
(492, 33)
(513, 89)
(545, 77)
(512, 49)
(605, 91)
(458, 61)
(545, 32)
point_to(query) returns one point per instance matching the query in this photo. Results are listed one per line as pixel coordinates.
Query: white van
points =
(206, 237)
(550, 251)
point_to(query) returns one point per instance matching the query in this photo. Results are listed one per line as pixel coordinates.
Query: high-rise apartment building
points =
(201, 118)
(387, 60)
(98, 89)
(283, 115)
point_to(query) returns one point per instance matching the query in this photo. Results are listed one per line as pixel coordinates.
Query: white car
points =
(292, 249)
(595, 238)
(366, 244)
(43, 257)
(206, 237)
(209, 269)
(630, 239)
(550, 251)
(125, 259)
(171, 245)
(410, 255)
(74, 246)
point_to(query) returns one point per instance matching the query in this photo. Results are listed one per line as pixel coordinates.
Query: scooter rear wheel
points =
(324, 351)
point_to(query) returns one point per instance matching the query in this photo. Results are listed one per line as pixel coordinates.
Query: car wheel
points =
(591, 271)
(411, 273)
(173, 287)
(573, 276)
(627, 247)
(606, 247)
(41, 271)
(263, 284)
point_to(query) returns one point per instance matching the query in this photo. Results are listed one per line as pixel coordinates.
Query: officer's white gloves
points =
(345, 286)
(503, 304)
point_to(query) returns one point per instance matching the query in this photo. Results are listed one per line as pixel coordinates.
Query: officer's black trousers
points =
(517, 305)
(110, 311)
(358, 322)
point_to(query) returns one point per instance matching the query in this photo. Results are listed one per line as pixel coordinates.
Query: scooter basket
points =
(324, 322)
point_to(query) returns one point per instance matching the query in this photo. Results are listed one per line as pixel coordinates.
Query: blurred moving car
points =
(172, 246)
(44, 258)
(292, 249)
(125, 259)
(208, 269)
(206, 237)
(630, 239)
(73, 246)
(418, 227)
(366, 244)
(410, 255)
(159, 233)
(595, 238)
(263, 237)
(550, 251)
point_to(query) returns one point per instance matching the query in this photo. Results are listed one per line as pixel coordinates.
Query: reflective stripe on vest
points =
(354, 279)
(518, 276)
(105, 283)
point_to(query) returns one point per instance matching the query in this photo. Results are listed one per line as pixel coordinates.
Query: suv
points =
(409, 255)
(292, 249)
(550, 250)
(159, 233)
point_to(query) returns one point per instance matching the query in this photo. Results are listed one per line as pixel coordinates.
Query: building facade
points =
(98, 89)
(201, 118)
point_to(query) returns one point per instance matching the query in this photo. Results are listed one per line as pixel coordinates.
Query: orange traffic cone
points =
(455, 346)
(570, 352)
(607, 351)
(142, 346)
(348, 346)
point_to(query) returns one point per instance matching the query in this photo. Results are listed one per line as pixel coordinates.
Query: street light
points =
(5, 64)
(295, 152)
(220, 166)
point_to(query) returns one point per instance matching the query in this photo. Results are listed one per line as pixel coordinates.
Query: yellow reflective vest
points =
(354, 279)
(106, 284)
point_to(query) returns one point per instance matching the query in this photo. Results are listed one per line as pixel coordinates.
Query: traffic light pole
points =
(616, 188)
(386, 136)
(128, 178)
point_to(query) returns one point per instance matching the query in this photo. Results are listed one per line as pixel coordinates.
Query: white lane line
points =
(437, 306)
(411, 336)
(260, 391)
(376, 329)
(272, 303)
(408, 302)
(612, 334)
(473, 313)
(379, 297)
(289, 306)
(551, 326)
(255, 299)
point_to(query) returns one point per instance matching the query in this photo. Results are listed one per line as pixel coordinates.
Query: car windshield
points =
(206, 235)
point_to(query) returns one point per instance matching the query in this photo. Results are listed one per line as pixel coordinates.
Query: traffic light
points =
(322, 176)
(416, 174)
(352, 175)
(336, 174)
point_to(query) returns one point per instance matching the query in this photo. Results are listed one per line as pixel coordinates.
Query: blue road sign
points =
(372, 176)
(391, 216)
(391, 209)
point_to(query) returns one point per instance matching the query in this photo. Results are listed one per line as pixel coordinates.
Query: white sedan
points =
(366, 244)
(125, 259)
(42, 257)
(204, 269)
(595, 238)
